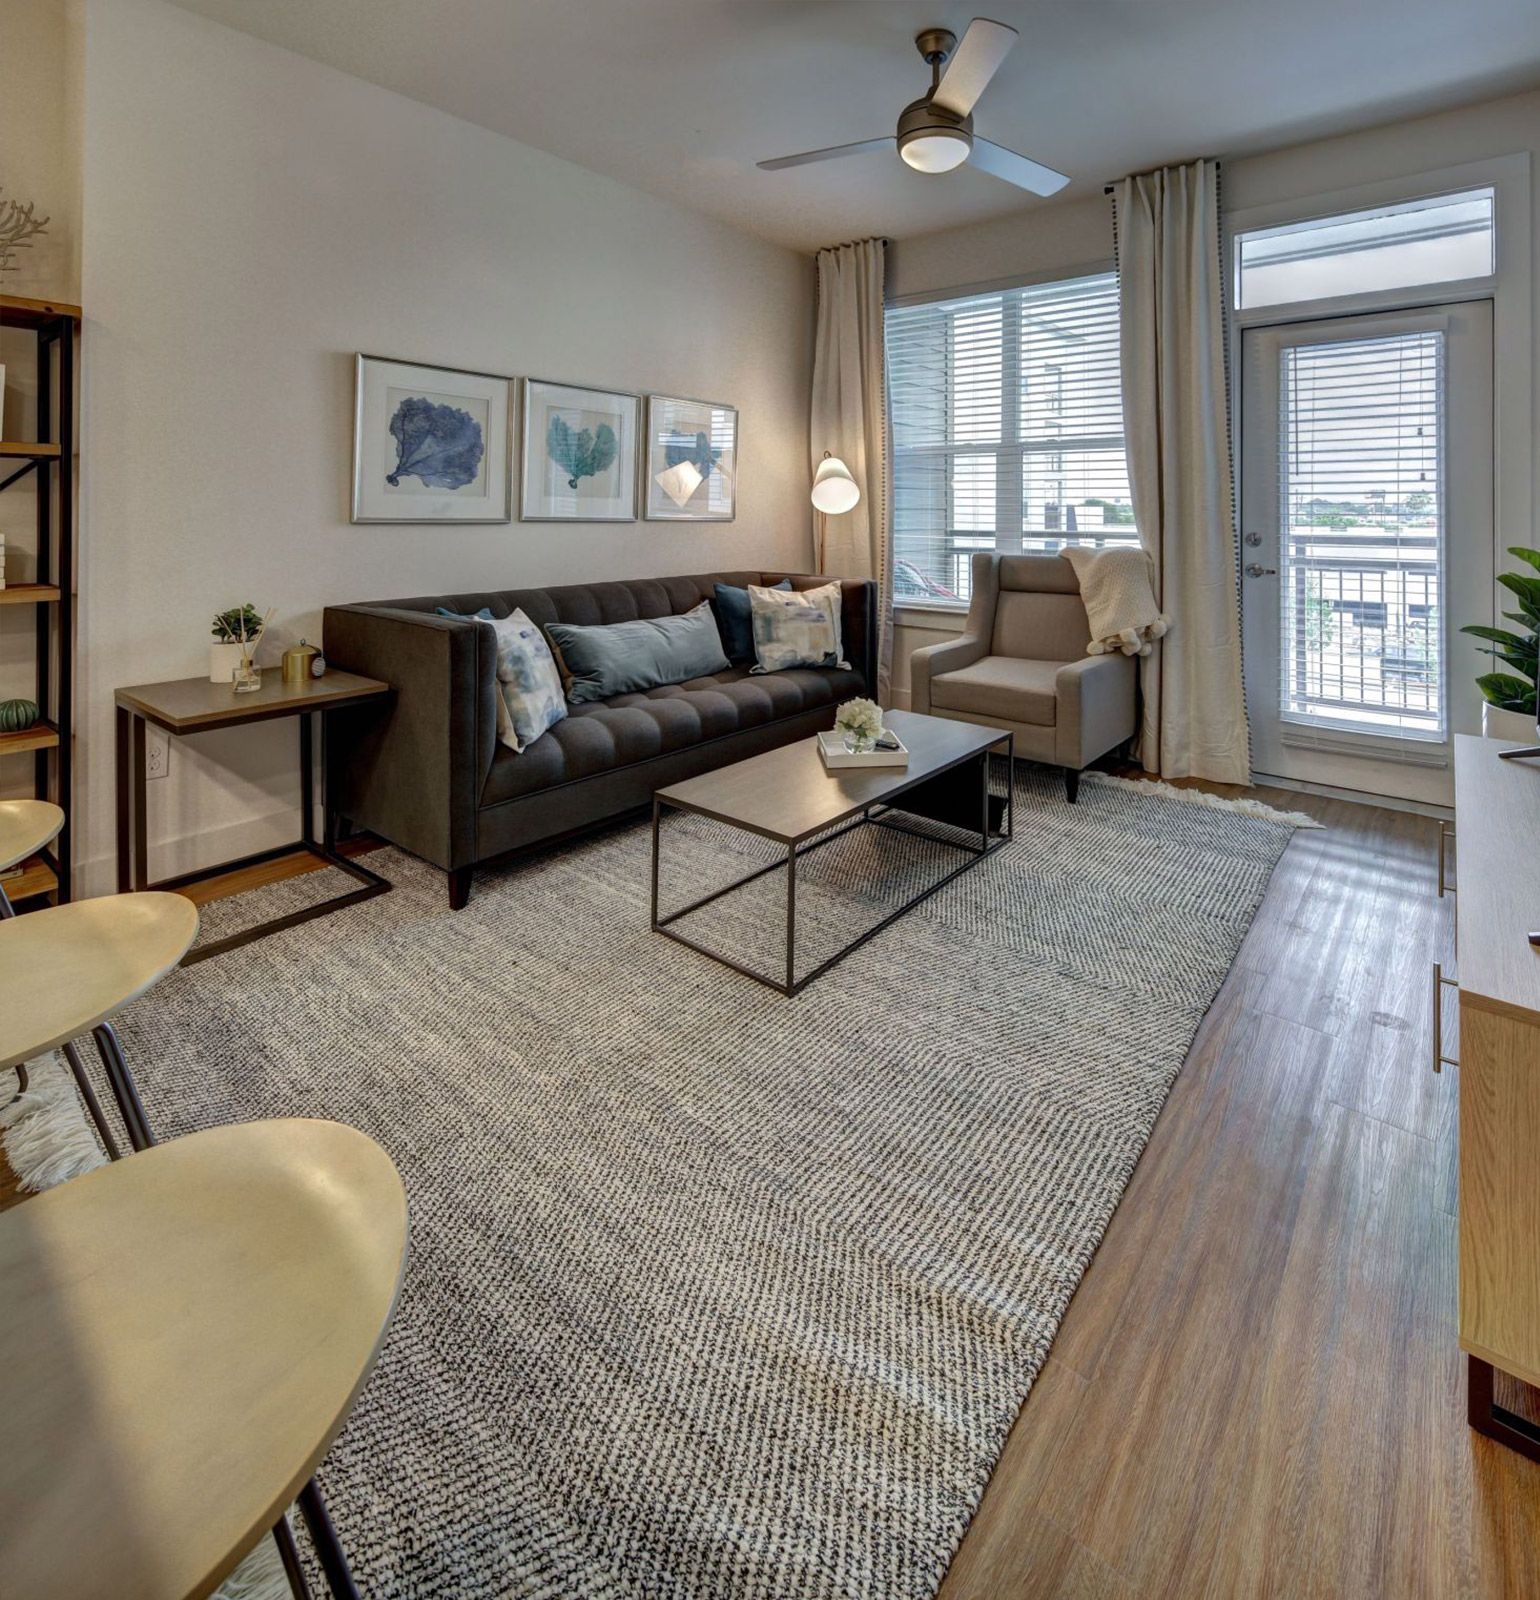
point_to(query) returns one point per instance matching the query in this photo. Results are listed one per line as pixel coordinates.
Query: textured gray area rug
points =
(714, 1293)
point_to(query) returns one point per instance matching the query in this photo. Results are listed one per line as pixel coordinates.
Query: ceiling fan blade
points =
(833, 153)
(975, 61)
(999, 162)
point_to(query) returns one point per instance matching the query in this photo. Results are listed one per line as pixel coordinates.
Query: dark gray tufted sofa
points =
(427, 772)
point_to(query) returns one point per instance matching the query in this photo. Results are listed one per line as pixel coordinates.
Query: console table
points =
(195, 705)
(1497, 805)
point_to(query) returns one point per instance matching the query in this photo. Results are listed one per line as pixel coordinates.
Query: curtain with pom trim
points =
(1176, 423)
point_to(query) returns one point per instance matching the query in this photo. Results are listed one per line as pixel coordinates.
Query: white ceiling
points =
(682, 97)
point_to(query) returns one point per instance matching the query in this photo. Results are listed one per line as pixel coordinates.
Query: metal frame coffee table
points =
(790, 798)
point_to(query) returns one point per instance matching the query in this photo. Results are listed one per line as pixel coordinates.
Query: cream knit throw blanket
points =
(1115, 586)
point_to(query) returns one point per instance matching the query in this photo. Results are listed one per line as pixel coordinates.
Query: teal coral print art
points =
(581, 452)
(579, 449)
(439, 444)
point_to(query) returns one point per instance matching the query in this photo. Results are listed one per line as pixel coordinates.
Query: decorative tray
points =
(831, 746)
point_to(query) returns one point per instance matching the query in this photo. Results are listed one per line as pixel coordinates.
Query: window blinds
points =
(1007, 424)
(1362, 552)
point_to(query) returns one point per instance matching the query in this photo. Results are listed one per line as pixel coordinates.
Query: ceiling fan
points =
(935, 133)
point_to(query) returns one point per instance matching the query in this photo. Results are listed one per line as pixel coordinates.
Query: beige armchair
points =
(1021, 664)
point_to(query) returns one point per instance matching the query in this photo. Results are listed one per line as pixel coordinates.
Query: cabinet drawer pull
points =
(1440, 982)
(1445, 834)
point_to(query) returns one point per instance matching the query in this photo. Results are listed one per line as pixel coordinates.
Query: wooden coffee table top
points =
(789, 795)
(185, 1331)
(193, 705)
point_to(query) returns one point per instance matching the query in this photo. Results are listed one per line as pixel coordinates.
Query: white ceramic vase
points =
(223, 660)
(1512, 725)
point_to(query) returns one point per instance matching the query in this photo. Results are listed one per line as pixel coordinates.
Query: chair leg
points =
(328, 1547)
(21, 1084)
(1071, 784)
(123, 1090)
(459, 888)
(288, 1554)
(93, 1105)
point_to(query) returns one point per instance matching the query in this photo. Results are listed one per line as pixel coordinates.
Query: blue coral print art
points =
(430, 444)
(438, 443)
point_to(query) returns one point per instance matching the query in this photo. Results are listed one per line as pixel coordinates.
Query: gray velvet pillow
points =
(628, 657)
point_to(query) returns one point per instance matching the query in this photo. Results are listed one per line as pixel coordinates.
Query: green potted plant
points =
(1509, 695)
(225, 651)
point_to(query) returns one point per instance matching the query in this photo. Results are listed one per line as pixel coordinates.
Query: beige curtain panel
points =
(1176, 422)
(850, 420)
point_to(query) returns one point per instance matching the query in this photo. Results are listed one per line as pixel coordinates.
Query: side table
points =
(195, 705)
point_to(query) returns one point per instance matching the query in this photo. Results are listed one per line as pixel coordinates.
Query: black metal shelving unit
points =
(49, 459)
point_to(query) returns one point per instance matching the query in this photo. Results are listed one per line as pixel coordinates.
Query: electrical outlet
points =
(157, 753)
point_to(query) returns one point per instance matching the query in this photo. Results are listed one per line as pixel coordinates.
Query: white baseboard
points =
(189, 852)
(1356, 797)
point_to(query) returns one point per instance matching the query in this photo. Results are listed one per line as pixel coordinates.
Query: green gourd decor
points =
(17, 715)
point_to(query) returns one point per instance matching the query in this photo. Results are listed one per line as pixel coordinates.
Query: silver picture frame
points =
(543, 496)
(710, 496)
(376, 498)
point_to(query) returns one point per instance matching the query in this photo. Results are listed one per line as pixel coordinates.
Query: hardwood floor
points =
(1257, 1391)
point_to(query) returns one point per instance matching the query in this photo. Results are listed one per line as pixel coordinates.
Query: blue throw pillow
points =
(736, 621)
(484, 615)
(628, 657)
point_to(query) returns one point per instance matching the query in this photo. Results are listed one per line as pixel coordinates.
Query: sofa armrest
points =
(413, 770)
(1096, 707)
(931, 660)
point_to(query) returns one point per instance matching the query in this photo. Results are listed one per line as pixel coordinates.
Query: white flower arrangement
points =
(861, 719)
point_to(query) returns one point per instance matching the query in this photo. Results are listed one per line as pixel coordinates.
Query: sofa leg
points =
(1071, 784)
(459, 888)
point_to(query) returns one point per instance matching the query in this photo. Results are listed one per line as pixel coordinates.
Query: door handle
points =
(1255, 571)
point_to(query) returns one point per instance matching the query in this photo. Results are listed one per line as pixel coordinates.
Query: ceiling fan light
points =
(935, 149)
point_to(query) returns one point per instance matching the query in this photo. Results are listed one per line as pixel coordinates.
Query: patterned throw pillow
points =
(529, 696)
(796, 629)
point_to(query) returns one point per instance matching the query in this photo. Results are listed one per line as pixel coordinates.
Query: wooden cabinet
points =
(1497, 807)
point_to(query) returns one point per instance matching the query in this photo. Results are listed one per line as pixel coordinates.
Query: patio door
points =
(1366, 524)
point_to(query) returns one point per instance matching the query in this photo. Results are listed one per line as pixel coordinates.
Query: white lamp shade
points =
(834, 490)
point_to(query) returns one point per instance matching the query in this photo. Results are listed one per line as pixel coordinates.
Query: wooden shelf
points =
(18, 312)
(36, 878)
(29, 594)
(29, 450)
(40, 736)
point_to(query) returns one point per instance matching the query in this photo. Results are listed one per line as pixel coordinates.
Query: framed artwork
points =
(692, 460)
(430, 444)
(579, 454)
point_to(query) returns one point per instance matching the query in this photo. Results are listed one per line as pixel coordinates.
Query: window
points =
(1007, 430)
(1362, 545)
(1442, 240)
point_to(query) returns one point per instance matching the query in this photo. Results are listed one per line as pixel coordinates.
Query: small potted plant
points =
(228, 630)
(1509, 711)
(859, 723)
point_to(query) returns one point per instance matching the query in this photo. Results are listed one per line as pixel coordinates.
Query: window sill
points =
(938, 619)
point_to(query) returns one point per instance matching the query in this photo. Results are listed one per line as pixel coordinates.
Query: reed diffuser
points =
(247, 677)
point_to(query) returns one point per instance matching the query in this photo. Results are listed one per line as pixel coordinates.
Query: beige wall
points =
(1068, 235)
(251, 220)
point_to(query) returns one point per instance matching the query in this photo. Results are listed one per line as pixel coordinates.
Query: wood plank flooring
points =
(1257, 1390)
